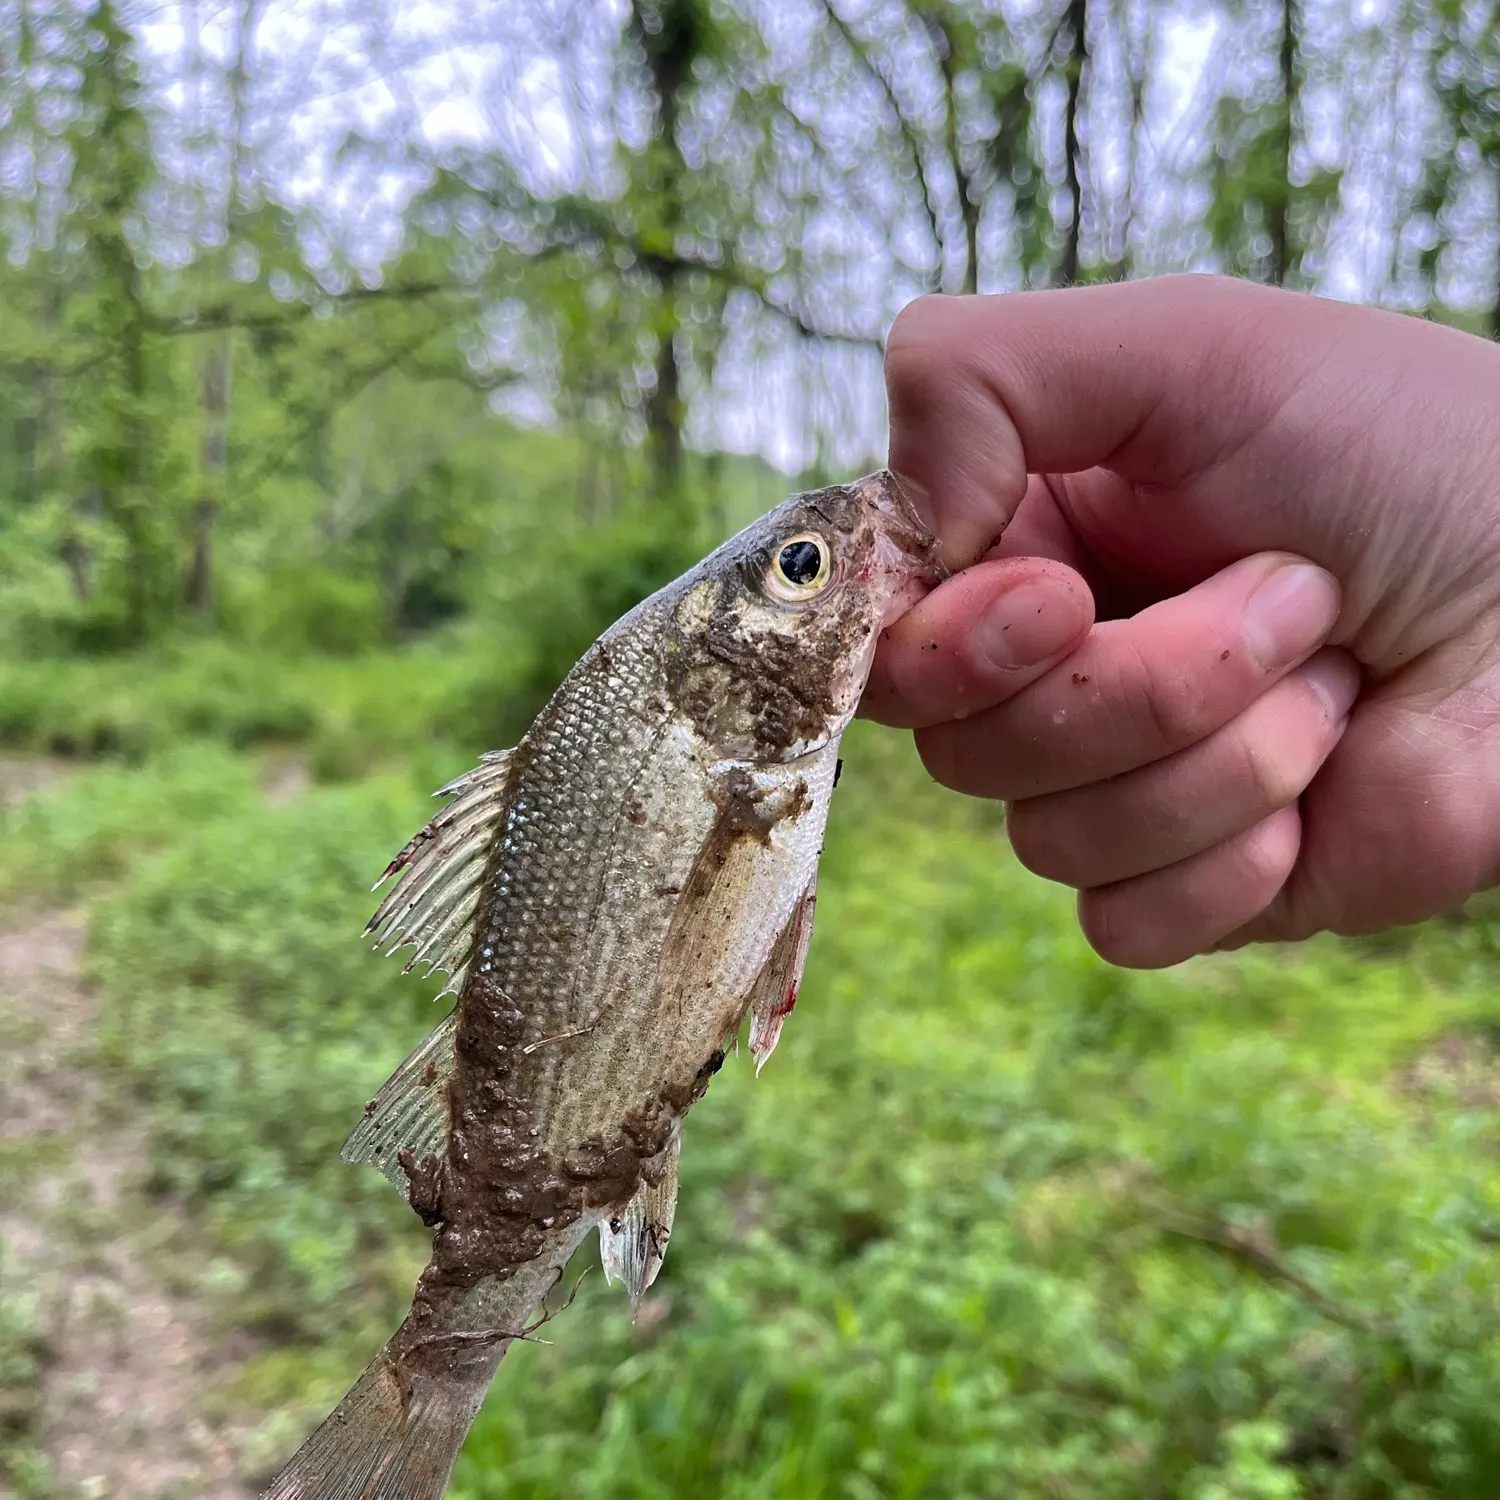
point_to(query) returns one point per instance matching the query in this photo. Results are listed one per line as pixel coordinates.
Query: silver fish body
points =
(610, 898)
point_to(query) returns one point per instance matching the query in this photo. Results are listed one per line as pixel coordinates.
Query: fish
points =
(609, 899)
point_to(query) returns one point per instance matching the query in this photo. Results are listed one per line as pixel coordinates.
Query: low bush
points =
(997, 1219)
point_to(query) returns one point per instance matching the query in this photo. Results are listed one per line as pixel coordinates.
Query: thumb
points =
(1154, 380)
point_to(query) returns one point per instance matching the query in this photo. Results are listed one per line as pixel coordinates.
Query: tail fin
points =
(389, 1439)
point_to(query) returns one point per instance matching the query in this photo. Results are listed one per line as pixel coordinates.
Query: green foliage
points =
(306, 607)
(254, 1021)
(89, 707)
(998, 1220)
(350, 714)
(89, 833)
(924, 1254)
(22, 1354)
(987, 1224)
(565, 590)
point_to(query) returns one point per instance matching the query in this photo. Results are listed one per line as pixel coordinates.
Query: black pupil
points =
(800, 561)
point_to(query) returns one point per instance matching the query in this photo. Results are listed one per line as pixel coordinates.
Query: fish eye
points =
(801, 567)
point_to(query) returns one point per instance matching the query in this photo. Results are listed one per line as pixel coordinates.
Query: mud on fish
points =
(610, 899)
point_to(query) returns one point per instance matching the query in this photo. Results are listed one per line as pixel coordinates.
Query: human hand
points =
(1246, 747)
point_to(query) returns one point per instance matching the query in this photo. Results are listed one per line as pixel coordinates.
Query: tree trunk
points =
(1279, 265)
(218, 359)
(1139, 69)
(1493, 320)
(667, 32)
(1067, 266)
(56, 481)
(945, 47)
(130, 497)
(717, 514)
(26, 441)
(664, 408)
(80, 565)
(122, 468)
(214, 461)
(121, 455)
(910, 130)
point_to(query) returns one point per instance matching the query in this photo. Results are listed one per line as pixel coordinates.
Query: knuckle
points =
(1287, 918)
(911, 344)
(939, 756)
(1179, 711)
(881, 701)
(1269, 852)
(1280, 746)
(1273, 775)
(1033, 832)
(925, 355)
(898, 691)
(1108, 930)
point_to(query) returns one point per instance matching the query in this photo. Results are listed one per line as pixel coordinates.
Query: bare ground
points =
(126, 1355)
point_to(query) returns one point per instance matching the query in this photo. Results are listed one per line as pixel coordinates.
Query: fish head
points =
(772, 635)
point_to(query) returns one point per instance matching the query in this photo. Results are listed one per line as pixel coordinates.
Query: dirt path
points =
(126, 1358)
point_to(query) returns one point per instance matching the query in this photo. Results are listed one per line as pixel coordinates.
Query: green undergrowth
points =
(23, 1352)
(995, 1220)
(373, 706)
(349, 716)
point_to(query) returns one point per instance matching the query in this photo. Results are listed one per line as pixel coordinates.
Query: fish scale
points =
(587, 763)
(611, 899)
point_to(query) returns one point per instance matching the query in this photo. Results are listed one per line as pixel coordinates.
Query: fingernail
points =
(1290, 613)
(1028, 624)
(1335, 677)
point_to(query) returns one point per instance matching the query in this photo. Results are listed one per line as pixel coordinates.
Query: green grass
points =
(22, 1353)
(996, 1220)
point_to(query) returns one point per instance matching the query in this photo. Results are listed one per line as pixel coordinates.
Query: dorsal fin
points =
(633, 1243)
(409, 1113)
(431, 907)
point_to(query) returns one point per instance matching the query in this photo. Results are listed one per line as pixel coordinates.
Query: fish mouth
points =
(906, 551)
(899, 520)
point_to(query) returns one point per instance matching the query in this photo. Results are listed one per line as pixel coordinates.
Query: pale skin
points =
(1234, 666)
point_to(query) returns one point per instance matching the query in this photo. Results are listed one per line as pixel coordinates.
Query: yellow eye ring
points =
(801, 566)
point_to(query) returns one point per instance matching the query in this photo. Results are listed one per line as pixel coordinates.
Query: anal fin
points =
(410, 1113)
(633, 1244)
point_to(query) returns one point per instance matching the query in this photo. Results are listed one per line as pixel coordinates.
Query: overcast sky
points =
(450, 73)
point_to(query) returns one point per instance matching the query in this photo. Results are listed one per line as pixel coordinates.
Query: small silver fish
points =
(610, 899)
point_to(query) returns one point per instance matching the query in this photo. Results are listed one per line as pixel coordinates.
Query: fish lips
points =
(906, 551)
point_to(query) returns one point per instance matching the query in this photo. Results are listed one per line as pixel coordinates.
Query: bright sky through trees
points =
(670, 230)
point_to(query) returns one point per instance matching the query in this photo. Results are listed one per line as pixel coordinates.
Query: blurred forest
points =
(360, 361)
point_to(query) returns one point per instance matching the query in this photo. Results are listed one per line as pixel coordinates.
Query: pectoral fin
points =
(775, 991)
